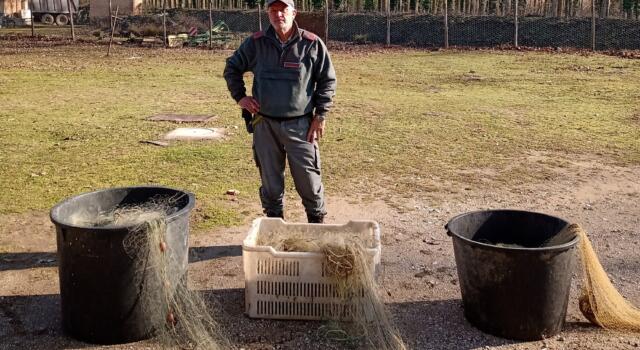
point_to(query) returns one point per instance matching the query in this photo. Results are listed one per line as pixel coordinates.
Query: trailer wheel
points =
(47, 19)
(62, 19)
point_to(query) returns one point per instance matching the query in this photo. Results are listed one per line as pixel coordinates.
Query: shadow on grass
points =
(242, 331)
(23, 261)
(213, 252)
(437, 324)
(33, 322)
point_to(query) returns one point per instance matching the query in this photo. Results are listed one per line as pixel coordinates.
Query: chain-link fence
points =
(590, 24)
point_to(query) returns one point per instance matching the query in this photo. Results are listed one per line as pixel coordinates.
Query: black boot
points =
(275, 214)
(315, 219)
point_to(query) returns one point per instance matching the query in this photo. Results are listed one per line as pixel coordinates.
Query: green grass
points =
(420, 114)
(406, 122)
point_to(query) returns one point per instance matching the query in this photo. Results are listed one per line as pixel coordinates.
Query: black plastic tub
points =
(99, 282)
(512, 286)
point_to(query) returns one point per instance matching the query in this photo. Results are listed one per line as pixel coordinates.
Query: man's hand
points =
(316, 130)
(250, 104)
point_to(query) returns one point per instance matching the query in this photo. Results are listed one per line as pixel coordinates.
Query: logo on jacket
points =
(292, 65)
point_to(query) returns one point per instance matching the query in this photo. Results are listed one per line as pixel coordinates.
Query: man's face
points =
(281, 16)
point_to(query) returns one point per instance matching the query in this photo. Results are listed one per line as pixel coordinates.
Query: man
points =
(293, 86)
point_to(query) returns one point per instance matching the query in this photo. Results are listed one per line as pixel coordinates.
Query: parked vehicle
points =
(53, 11)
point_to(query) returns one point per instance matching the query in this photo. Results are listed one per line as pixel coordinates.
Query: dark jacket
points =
(287, 82)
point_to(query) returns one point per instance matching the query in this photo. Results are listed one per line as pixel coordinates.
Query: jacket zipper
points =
(284, 50)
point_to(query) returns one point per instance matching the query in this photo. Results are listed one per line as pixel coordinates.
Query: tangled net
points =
(347, 262)
(600, 302)
(180, 318)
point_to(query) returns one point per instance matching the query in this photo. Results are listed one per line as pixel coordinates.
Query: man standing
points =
(293, 86)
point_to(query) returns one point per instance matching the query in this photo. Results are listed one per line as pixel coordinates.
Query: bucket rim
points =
(560, 247)
(56, 220)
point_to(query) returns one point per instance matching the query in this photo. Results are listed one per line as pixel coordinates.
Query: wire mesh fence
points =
(424, 30)
(583, 24)
(361, 28)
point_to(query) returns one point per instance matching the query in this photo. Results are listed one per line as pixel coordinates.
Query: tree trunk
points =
(604, 8)
(554, 8)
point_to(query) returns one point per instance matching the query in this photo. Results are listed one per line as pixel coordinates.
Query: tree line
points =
(629, 9)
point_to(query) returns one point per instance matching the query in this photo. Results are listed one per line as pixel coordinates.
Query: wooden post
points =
(164, 22)
(113, 29)
(446, 24)
(33, 29)
(73, 28)
(387, 6)
(210, 24)
(515, 31)
(326, 21)
(593, 25)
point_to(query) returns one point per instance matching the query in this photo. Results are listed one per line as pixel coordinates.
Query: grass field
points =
(405, 121)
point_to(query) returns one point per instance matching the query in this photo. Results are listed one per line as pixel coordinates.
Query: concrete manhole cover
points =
(181, 118)
(195, 134)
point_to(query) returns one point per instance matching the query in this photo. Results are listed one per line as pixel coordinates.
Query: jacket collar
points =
(297, 33)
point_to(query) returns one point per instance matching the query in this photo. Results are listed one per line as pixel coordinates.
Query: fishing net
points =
(179, 318)
(600, 302)
(347, 262)
(299, 241)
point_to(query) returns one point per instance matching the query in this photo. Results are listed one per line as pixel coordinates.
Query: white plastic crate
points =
(292, 285)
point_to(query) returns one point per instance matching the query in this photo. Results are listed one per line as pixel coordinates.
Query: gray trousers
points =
(275, 142)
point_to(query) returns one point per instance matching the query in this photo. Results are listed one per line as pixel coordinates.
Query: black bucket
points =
(99, 282)
(518, 289)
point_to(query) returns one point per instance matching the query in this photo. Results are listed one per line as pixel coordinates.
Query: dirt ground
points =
(419, 278)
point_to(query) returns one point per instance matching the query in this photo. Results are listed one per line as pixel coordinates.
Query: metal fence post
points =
(388, 8)
(164, 22)
(446, 24)
(593, 25)
(210, 24)
(326, 21)
(515, 32)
